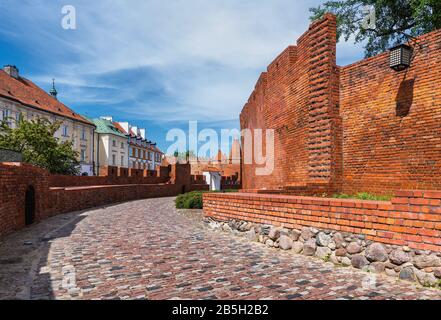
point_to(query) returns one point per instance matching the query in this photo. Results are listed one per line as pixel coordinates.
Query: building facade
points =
(20, 96)
(142, 153)
(111, 146)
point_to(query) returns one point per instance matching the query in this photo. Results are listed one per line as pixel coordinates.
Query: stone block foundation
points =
(401, 237)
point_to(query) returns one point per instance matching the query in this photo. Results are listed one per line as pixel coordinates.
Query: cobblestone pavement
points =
(148, 250)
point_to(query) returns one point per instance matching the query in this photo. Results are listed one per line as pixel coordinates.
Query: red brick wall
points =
(298, 98)
(412, 218)
(114, 176)
(15, 178)
(65, 200)
(363, 127)
(392, 122)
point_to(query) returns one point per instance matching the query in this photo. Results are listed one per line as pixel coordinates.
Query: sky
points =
(157, 64)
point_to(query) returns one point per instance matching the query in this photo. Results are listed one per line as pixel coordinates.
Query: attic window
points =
(36, 101)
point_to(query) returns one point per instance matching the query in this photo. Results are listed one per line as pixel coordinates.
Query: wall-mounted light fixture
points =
(400, 57)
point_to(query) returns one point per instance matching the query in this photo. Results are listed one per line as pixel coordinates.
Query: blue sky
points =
(157, 64)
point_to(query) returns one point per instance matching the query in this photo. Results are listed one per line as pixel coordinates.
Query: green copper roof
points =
(106, 127)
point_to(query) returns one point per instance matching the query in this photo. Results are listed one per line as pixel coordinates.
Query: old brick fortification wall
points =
(298, 98)
(61, 194)
(412, 218)
(14, 180)
(113, 176)
(363, 127)
(392, 122)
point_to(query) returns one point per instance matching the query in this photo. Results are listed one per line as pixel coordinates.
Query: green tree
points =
(36, 141)
(184, 157)
(397, 21)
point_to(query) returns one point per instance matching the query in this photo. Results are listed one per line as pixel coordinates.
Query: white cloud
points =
(191, 59)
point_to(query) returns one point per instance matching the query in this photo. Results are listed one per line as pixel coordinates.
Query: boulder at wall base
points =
(285, 242)
(252, 236)
(323, 239)
(399, 257)
(264, 230)
(341, 252)
(346, 261)
(295, 235)
(309, 247)
(297, 247)
(307, 233)
(376, 252)
(425, 279)
(359, 261)
(334, 259)
(426, 261)
(338, 239)
(353, 248)
(377, 267)
(407, 274)
(323, 253)
(274, 233)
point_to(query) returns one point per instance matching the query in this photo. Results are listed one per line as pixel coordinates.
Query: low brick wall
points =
(412, 218)
(63, 200)
(70, 181)
(61, 194)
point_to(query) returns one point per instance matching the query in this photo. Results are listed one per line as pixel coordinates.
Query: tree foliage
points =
(396, 20)
(36, 141)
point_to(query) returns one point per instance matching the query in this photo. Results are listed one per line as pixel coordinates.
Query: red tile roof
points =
(29, 94)
(119, 127)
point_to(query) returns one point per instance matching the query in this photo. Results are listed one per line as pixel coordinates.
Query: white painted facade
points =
(213, 179)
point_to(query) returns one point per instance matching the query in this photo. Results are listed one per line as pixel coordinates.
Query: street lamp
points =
(400, 57)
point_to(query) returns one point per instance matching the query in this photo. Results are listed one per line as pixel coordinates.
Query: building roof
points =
(212, 169)
(106, 127)
(24, 91)
(119, 128)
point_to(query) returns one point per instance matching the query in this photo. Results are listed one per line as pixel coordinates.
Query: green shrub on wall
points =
(363, 196)
(193, 200)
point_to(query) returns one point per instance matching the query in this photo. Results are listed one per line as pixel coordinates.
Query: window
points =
(114, 143)
(6, 116)
(83, 134)
(143, 154)
(65, 129)
(83, 155)
(17, 116)
(122, 145)
(133, 152)
(122, 161)
(150, 156)
(113, 160)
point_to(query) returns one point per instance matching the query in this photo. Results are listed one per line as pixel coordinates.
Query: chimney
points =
(142, 132)
(125, 126)
(108, 118)
(12, 71)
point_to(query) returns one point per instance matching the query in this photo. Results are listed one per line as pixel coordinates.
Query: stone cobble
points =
(149, 250)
